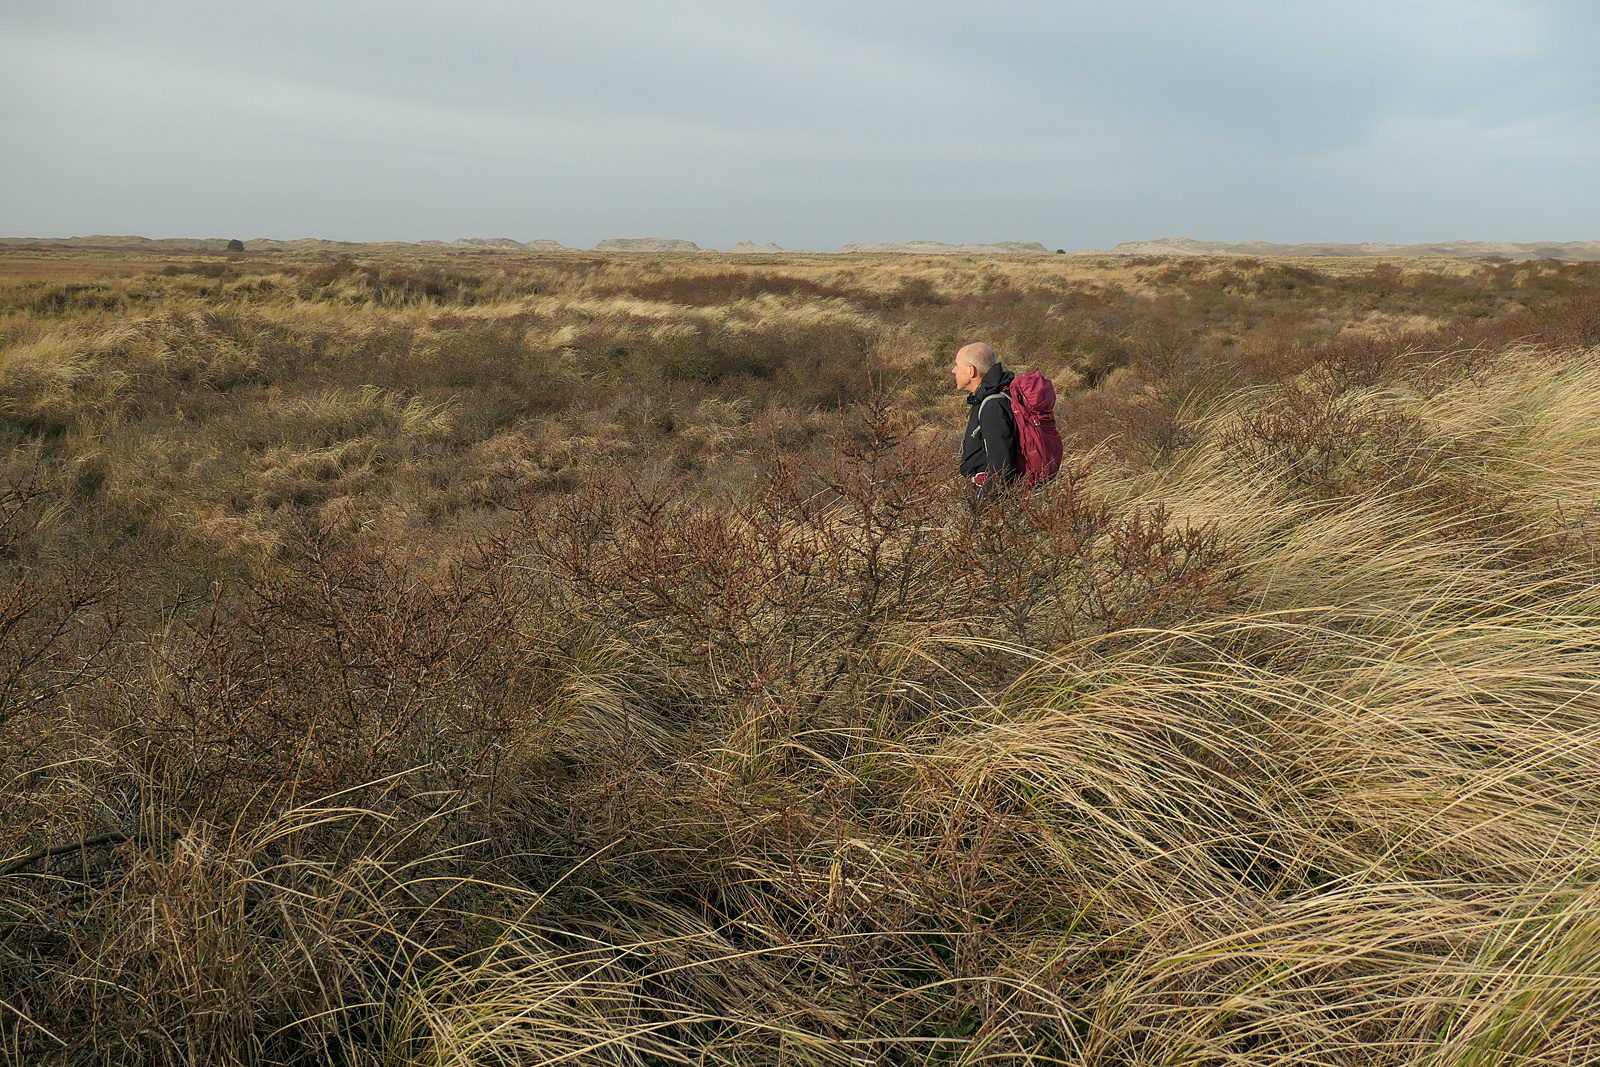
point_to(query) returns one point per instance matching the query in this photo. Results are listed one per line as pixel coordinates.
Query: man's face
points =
(965, 376)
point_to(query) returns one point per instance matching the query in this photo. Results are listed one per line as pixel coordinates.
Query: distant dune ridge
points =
(1187, 246)
(942, 248)
(1564, 251)
(204, 244)
(645, 244)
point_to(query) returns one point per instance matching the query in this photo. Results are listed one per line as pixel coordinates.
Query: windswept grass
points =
(568, 661)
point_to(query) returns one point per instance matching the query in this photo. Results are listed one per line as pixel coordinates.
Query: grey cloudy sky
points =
(1077, 124)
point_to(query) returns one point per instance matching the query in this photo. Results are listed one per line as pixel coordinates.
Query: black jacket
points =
(991, 441)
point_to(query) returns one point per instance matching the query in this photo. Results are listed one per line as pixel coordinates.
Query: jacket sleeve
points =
(999, 439)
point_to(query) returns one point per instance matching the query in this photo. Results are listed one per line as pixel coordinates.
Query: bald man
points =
(989, 450)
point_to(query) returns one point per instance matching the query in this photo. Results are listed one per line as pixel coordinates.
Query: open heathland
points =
(488, 656)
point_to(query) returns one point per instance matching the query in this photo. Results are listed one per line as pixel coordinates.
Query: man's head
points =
(971, 364)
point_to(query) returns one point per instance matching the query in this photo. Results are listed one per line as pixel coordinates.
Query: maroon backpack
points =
(1033, 411)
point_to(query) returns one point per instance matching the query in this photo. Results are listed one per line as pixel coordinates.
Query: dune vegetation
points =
(491, 657)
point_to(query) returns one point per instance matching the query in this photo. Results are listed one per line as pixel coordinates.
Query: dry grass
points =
(570, 659)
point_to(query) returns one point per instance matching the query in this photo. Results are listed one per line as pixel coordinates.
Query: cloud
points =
(1075, 124)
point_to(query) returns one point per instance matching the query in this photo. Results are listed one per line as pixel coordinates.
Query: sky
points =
(810, 125)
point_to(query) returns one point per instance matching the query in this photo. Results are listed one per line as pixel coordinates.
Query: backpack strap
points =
(977, 431)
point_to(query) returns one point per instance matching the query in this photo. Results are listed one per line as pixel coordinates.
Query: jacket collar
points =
(991, 384)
